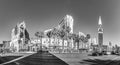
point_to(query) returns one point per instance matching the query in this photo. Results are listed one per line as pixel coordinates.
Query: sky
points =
(40, 15)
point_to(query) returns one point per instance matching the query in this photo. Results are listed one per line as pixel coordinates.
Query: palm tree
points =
(37, 35)
(68, 29)
(62, 36)
(54, 35)
(58, 37)
(49, 35)
(69, 37)
(73, 37)
(68, 34)
(82, 38)
(86, 39)
(40, 35)
(88, 36)
(76, 40)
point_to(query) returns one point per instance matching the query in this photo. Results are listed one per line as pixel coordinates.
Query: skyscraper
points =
(100, 32)
(67, 22)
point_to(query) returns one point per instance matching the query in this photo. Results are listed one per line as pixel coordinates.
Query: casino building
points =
(65, 24)
(54, 42)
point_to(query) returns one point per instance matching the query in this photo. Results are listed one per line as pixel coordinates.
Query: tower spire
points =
(100, 32)
(100, 21)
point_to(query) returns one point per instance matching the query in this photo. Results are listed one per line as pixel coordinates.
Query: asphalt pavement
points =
(44, 58)
(47, 58)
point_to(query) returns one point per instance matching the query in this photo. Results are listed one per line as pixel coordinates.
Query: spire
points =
(22, 24)
(100, 21)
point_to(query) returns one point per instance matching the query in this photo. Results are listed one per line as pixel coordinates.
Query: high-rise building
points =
(67, 22)
(100, 32)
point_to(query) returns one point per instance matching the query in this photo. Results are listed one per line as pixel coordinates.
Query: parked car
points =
(99, 51)
(43, 50)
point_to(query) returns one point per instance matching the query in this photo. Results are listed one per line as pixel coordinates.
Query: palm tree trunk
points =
(78, 46)
(49, 43)
(74, 43)
(58, 44)
(38, 43)
(68, 44)
(63, 45)
(41, 44)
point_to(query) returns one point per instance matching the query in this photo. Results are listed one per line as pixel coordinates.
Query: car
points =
(99, 52)
(43, 50)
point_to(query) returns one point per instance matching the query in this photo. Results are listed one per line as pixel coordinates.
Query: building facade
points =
(19, 37)
(66, 22)
(67, 25)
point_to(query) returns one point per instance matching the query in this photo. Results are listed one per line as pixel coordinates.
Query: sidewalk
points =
(16, 54)
(25, 55)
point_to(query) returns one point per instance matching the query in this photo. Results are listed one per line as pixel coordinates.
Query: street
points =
(47, 58)
(44, 58)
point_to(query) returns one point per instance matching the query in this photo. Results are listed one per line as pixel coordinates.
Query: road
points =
(39, 59)
(67, 59)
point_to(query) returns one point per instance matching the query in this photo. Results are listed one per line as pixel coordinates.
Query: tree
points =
(54, 33)
(69, 37)
(82, 40)
(62, 35)
(73, 37)
(40, 35)
(85, 39)
(68, 34)
(49, 35)
(88, 36)
(68, 29)
(76, 39)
